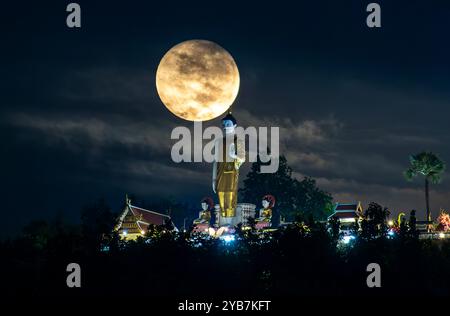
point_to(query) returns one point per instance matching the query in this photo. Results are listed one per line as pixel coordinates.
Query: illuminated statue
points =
(229, 157)
(204, 216)
(265, 214)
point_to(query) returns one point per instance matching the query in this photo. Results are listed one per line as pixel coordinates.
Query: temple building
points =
(347, 213)
(134, 221)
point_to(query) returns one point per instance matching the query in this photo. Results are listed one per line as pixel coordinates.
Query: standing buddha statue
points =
(230, 154)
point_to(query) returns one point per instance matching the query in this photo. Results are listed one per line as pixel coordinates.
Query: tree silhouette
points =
(294, 197)
(428, 165)
(413, 225)
(97, 221)
(334, 228)
(374, 223)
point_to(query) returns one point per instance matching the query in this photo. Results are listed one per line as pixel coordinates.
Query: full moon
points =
(197, 80)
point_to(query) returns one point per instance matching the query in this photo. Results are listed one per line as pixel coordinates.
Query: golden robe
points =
(205, 217)
(265, 214)
(228, 175)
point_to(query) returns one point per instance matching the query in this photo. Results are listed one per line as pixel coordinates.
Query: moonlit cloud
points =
(99, 133)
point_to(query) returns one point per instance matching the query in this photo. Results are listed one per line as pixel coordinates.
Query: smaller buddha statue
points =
(265, 214)
(204, 216)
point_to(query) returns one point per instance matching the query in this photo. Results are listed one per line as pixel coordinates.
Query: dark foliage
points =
(294, 197)
(296, 260)
(374, 223)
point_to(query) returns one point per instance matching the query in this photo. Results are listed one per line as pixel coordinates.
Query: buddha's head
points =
(268, 201)
(229, 123)
(207, 204)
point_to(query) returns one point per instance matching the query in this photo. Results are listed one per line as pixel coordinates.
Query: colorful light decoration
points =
(443, 222)
(399, 219)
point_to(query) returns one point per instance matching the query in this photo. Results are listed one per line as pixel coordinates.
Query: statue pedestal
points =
(232, 221)
(243, 212)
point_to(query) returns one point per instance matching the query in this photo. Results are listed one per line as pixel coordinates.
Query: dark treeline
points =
(301, 259)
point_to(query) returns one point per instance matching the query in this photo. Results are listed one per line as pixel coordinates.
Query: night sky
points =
(80, 117)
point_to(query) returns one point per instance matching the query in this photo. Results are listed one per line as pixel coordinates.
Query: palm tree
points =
(431, 167)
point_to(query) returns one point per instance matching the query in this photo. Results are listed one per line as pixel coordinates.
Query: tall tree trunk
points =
(427, 198)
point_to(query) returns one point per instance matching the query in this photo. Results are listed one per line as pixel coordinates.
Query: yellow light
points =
(142, 232)
(212, 232)
(391, 223)
(441, 235)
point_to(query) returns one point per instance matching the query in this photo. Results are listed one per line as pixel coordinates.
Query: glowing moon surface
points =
(197, 80)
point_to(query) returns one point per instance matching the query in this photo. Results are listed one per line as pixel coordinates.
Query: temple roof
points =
(346, 207)
(347, 210)
(148, 217)
(345, 214)
(143, 217)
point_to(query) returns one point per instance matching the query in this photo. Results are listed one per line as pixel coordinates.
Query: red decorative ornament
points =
(271, 199)
(443, 222)
(208, 201)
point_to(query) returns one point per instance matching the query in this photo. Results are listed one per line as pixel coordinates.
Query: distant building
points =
(134, 221)
(243, 212)
(347, 214)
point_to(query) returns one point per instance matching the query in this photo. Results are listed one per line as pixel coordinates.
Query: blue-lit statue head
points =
(229, 123)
